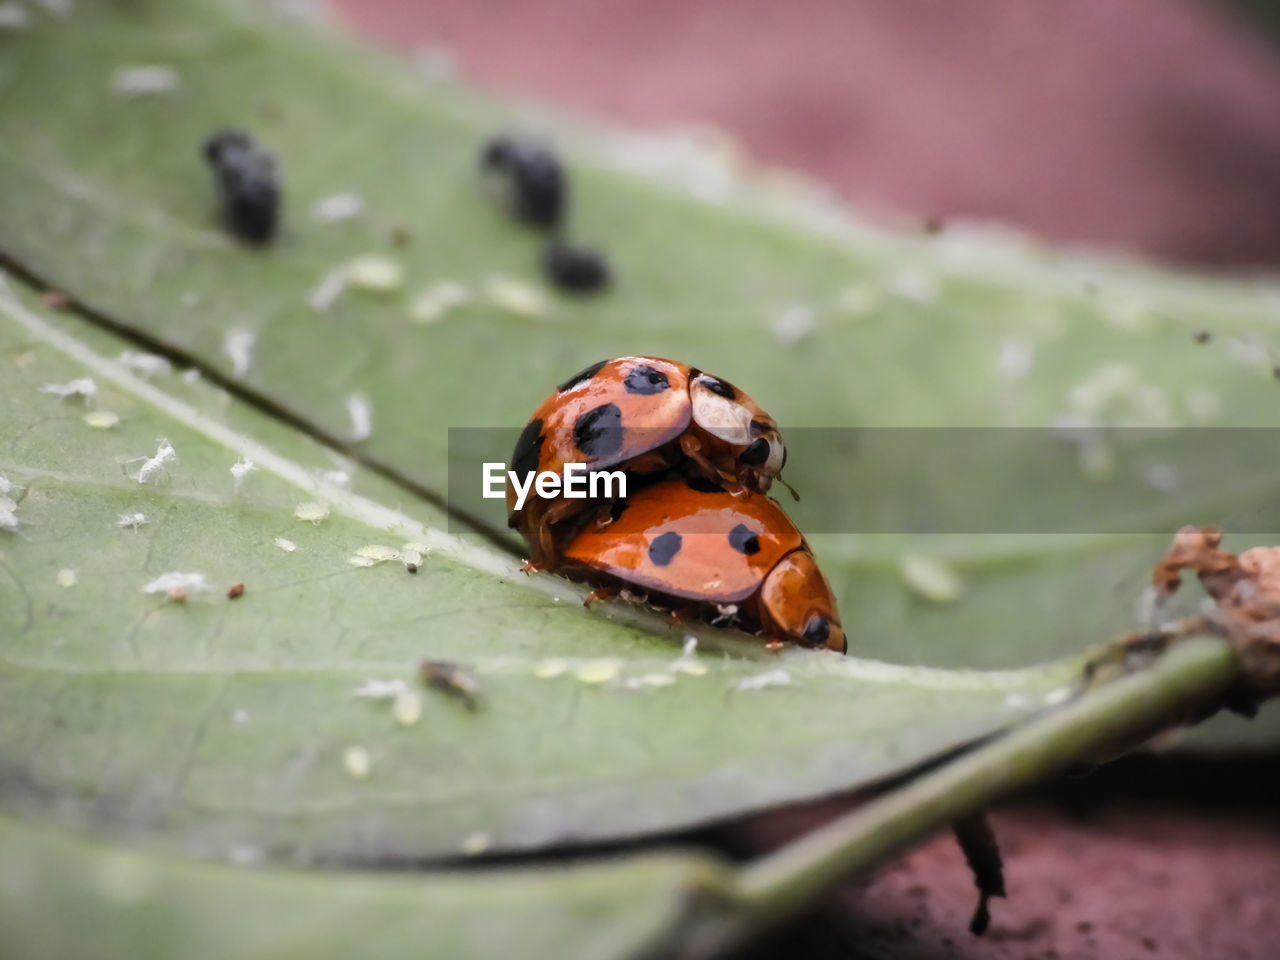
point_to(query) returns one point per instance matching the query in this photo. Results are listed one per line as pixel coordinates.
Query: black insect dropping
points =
(576, 269)
(528, 178)
(248, 184)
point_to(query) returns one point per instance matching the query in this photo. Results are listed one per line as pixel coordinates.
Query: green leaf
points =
(217, 725)
(127, 904)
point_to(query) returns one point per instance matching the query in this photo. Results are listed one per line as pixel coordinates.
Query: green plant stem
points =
(782, 884)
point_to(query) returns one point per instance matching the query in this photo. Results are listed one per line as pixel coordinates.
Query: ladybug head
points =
(727, 414)
(799, 606)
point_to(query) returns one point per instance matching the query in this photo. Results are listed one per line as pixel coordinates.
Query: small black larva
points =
(248, 184)
(527, 177)
(575, 268)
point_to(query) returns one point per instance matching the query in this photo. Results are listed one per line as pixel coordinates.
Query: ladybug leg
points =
(682, 615)
(692, 448)
(598, 594)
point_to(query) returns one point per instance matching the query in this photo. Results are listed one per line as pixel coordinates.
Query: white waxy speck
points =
(339, 478)
(911, 284)
(794, 324)
(598, 671)
(770, 678)
(6, 485)
(328, 290)
(238, 345)
(288, 546)
(380, 689)
(931, 577)
(191, 375)
(357, 762)
(1015, 700)
(407, 708)
(858, 302)
(1015, 359)
(1249, 353)
(154, 466)
(1055, 697)
(517, 297)
(132, 520)
(375, 273)
(337, 207)
(8, 504)
(1162, 477)
(57, 8)
(240, 716)
(690, 647)
(176, 584)
(241, 469)
(146, 364)
(101, 419)
(658, 679)
(244, 854)
(312, 510)
(82, 387)
(548, 669)
(475, 844)
(687, 662)
(145, 81)
(1202, 404)
(9, 520)
(361, 412)
(438, 301)
(373, 553)
(13, 16)
(190, 298)
(67, 578)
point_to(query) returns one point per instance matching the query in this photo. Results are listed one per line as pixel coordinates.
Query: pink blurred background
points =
(1152, 125)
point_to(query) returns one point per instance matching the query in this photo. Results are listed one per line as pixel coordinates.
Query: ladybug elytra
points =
(641, 415)
(689, 544)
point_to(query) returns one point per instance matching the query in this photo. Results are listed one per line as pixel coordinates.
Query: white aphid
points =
(1015, 358)
(407, 708)
(154, 466)
(312, 510)
(82, 387)
(67, 578)
(770, 678)
(357, 761)
(147, 364)
(327, 291)
(14, 17)
(794, 324)
(372, 554)
(145, 81)
(931, 577)
(375, 273)
(288, 546)
(437, 301)
(132, 520)
(177, 585)
(338, 207)
(241, 469)
(361, 412)
(379, 689)
(101, 419)
(516, 296)
(238, 345)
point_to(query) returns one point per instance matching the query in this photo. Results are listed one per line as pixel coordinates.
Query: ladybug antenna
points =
(794, 496)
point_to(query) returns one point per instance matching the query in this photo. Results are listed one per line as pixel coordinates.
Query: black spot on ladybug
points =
(581, 376)
(743, 539)
(247, 182)
(646, 380)
(528, 449)
(528, 178)
(664, 548)
(576, 269)
(817, 630)
(757, 453)
(701, 485)
(598, 432)
(718, 386)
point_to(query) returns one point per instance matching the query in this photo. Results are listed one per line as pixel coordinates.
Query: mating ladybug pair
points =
(696, 532)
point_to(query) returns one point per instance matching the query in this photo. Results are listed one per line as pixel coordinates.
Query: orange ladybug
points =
(695, 548)
(640, 415)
